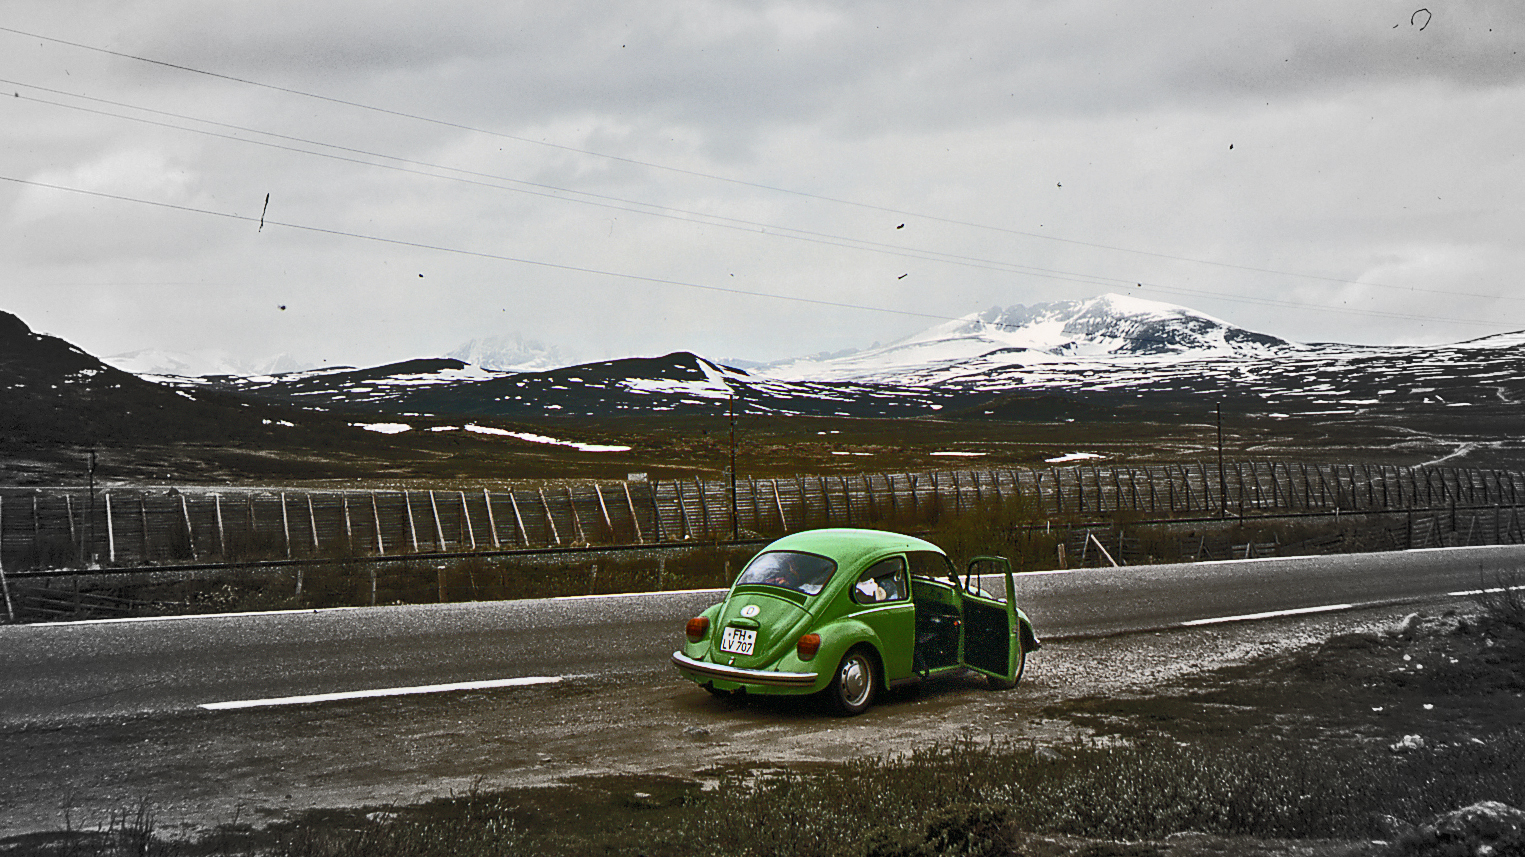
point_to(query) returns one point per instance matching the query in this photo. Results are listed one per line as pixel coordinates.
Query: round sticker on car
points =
(750, 610)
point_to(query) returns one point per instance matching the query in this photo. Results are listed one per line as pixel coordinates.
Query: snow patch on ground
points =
(384, 428)
(540, 438)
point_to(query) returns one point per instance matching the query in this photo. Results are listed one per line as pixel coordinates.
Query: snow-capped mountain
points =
(1076, 359)
(159, 361)
(510, 353)
(1107, 327)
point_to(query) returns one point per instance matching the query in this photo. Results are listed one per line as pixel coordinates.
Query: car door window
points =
(881, 582)
(932, 565)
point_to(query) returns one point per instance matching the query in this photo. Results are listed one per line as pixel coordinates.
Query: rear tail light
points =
(808, 646)
(697, 628)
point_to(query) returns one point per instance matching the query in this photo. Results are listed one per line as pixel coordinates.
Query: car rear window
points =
(801, 572)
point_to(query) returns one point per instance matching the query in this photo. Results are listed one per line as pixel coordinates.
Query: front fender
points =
(1030, 641)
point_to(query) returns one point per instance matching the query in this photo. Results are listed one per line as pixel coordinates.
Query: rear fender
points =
(699, 649)
(836, 639)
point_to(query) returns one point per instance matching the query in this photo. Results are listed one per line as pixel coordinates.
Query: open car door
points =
(992, 642)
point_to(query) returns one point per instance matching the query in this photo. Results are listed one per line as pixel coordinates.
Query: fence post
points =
(492, 521)
(677, 492)
(407, 505)
(285, 530)
(349, 527)
(524, 536)
(847, 499)
(222, 537)
(550, 522)
(312, 521)
(783, 523)
(10, 609)
(110, 530)
(704, 506)
(635, 521)
(604, 509)
(656, 513)
(190, 535)
(439, 529)
(579, 533)
(381, 548)
(79, 548)
(143, 529)
(752, 497)
(471, 533)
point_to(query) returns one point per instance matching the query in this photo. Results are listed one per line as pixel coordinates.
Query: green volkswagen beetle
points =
(847, 612)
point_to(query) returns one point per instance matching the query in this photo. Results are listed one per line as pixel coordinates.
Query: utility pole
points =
(735, 524)
(90, 478)
(1222, 478)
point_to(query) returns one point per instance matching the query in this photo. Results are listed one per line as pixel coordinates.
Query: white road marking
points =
(1250, 617)
(1494, 591)
(382, 691)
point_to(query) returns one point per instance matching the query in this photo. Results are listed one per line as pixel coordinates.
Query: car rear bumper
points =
(768, 678)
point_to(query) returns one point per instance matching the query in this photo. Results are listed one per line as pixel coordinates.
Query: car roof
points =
(849, 546)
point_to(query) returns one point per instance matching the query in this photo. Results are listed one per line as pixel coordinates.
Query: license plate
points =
(738, 641)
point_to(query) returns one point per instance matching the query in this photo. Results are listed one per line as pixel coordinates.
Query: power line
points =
(684, 215)
(552, 191)
(696, 173)
(594, 271)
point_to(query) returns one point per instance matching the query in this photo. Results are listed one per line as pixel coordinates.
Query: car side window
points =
(883, 581)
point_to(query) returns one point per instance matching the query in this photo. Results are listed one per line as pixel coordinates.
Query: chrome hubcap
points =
(855, 680)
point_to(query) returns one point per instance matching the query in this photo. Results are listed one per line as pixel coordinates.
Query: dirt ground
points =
(200, 771)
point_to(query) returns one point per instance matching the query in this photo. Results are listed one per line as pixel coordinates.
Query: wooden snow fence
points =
(134, 526)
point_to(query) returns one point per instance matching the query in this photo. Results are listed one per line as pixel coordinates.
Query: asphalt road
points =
(63, 672)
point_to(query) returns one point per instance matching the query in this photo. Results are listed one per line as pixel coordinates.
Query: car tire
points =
(1004, 684)
(855, 683)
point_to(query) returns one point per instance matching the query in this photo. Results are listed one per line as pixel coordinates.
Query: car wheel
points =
(852, 688)
(1003, 684)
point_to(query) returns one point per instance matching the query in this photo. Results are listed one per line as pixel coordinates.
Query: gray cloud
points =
(1365, 149)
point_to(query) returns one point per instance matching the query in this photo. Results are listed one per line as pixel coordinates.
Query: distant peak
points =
(12, 330)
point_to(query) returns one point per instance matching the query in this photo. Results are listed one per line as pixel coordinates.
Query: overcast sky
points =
(618, 178)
